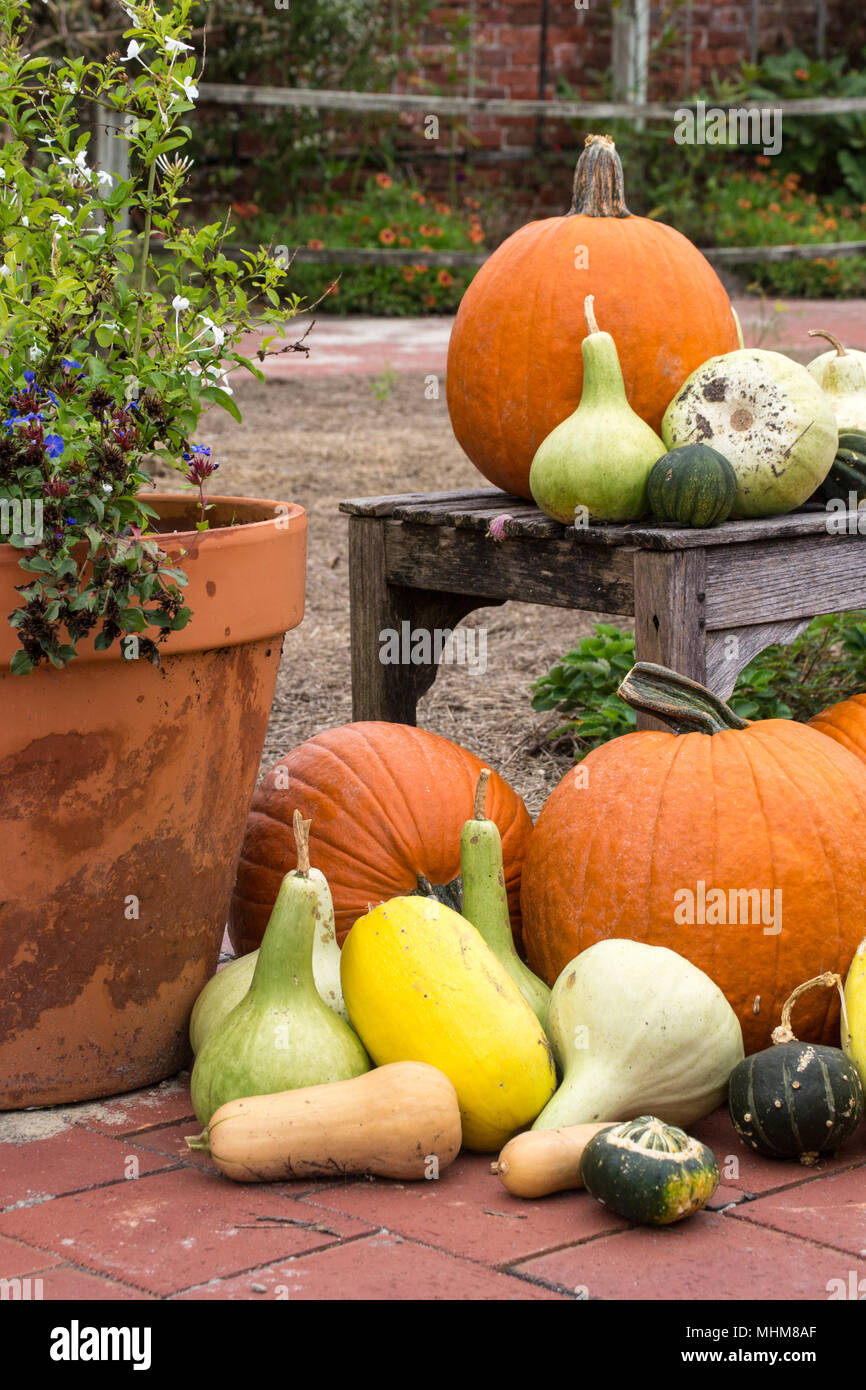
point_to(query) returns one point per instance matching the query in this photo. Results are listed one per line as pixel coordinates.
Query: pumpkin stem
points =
(481, 794)
(301, 828)
(199, 1142)
(785, 1033)
(589, 313)
(599, 190)
(679, 702)
(831, 338)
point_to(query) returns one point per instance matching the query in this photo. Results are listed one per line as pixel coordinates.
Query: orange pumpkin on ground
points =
(624, 843)
(387, 803)
(846, 723)
(515, 368)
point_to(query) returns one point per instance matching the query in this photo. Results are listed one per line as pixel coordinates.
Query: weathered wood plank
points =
(776, 580)
(383, 690)
(663, 536)
(729, 652)
(669, 617)
(554, 571)
(384, 506)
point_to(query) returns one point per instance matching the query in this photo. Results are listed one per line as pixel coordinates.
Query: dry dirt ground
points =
(319, 440)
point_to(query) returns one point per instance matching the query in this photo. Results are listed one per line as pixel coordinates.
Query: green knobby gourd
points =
(225, 990)
(281, 1036)
(485, 901)
(594, 465)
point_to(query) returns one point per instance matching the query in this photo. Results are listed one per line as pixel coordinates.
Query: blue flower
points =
(54, 445)
(71, 521)
(30, 377)
(67, 363)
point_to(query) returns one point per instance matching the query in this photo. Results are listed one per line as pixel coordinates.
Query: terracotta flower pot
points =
(124, 792)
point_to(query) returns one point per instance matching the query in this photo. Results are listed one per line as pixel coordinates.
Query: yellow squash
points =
(421, 985)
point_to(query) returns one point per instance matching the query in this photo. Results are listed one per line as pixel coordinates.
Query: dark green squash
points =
(649, 1172)
(796, 1099)
(847, 472)
(693, 485)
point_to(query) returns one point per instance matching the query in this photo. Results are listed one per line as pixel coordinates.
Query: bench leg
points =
(386, 689)
(669, 623)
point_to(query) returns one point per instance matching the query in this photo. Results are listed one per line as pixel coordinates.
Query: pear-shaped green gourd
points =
(281, 1035)
(594, 466)
(485, 901)
(842, 377)
(225, 990)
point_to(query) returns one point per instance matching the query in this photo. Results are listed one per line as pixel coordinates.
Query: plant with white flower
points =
(111, 346)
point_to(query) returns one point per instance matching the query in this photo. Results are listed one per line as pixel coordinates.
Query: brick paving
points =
(371, 346)
(104, 1201)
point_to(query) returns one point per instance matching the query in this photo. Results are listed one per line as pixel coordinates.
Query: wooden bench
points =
(705, 602)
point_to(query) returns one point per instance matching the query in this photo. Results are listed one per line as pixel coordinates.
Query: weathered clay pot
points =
(124, 792)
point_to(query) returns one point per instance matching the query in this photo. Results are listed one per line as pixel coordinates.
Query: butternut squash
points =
(400, 1121)
(421, 985)
(541, 1161)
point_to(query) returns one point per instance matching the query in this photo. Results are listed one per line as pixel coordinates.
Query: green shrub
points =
(827, 663)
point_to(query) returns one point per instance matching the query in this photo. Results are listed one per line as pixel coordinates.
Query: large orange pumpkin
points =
(387, 804)
(624, 843)
(846, 723)
(515, 368)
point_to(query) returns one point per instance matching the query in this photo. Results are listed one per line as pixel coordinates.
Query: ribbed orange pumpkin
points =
(515, 369)
(846, 723)
(626, 840)
(387, 804)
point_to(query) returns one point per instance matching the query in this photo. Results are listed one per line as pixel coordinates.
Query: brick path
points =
(104, 1201)
(345, 346)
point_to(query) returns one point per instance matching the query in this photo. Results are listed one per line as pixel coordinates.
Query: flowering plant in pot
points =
(140, 653)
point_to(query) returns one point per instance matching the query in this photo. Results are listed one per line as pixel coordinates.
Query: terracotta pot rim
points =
(245, 581)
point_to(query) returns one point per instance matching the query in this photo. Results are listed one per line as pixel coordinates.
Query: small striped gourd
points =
(796, 1099)
(649, 1172)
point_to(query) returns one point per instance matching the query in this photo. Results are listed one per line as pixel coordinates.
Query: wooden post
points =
(111, 150)
(669, 621)
(630, 53)
(754, 32)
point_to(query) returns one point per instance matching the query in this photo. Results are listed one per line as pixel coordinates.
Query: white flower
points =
(175, 46)
(3, 175)
(190, 89)
(70, 85)
(219, 336)
(60, 219)
(5, 271)
(224, 386)
(36, 354)
(194, 368)
(96, 231)
(106, 487)
(104, 178)
(132, 51)
(179, 304)
(25, 220)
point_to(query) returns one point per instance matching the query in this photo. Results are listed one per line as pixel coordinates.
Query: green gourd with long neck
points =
(485, 901)
(281, 1035)
(594, 466)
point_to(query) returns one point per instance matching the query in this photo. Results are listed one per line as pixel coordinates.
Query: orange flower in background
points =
(830, 224)
(408, 274)
(245, 209)
(405, 241)
(444, 279)
(384, 180)
(435, 231)
(430, 301)
(476, 235)
(426, 248)
(443, 209)
(743, 203)
(426, 231)
(762, 159)
(816, 230)
(419, 199)
(802, 74)
(774, 207)
(333, 289)
(387, 236)
(315, 245)
(365, 221)
(420, 269)
(472, 203)
(793, 217)
(338, 211)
